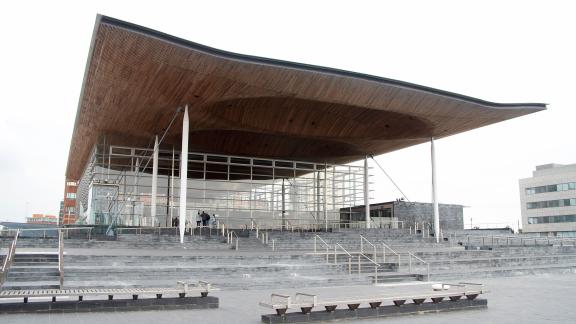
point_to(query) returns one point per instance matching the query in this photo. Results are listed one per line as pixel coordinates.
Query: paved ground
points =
(529, 299)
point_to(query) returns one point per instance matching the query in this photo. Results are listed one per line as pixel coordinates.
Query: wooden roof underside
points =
(136, 78)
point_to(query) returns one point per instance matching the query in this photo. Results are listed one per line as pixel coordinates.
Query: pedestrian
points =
(213, 220)
(198, 219)
(204, 218)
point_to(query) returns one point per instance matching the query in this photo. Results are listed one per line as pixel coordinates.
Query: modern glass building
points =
(166, 128)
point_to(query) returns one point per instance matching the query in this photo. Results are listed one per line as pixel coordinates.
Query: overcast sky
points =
(502, 51)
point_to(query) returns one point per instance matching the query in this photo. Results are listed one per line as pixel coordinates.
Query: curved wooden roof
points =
(136, 78)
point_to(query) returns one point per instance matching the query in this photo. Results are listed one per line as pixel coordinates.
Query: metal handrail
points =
(410, 256)
(362, 239)
(55, 229)
(376, 266)
(323, 242)
(336, 246)
(384, 247)
(231, 235)
(510, 239)
(9, 259)
(61, 257)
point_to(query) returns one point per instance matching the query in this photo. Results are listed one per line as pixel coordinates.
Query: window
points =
(551, 188)
(70, 210)
(71, 183)
(551, 203)
(552, 219)
(71, 195)
(566, 234)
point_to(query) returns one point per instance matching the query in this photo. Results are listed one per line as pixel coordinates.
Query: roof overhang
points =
(136, 78)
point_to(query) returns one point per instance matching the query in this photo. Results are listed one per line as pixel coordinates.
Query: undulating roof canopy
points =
(136, 78)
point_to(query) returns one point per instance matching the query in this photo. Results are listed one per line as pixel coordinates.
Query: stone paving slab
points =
(526, 300)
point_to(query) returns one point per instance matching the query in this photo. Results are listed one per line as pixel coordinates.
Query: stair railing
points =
(61, 257)
(9, 259)
(338, 246)
(374, 263)
(384, 247)
(510, 240)
(231, 241)
(410, 256)
(365, 240)
(326, 246)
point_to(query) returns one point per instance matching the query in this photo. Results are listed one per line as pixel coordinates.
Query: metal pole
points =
(325, 206)
(183, 173)
(154, 181)
(284, 206)
(435, 192)
(170, 196)
(366, 193)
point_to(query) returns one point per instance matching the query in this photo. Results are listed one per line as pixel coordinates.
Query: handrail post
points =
(273, 245)
(409, 262)
(335, 258)
(349, 265)
(359, 265)
(314, 243)
(383, 253)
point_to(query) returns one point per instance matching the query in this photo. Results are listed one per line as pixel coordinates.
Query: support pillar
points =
(325, 203)
(283, 205)
(154, 182)
(366, 192)
(183, 174)
(435, 193)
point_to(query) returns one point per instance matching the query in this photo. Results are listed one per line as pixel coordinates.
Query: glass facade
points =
(551, 203)
(117, 184)
(552, 219)
(551, 188)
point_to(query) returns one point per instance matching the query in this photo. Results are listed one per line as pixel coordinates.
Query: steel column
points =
(183, 174)
(154, 181)
(366, 193)
(325, 205)
(435, 192)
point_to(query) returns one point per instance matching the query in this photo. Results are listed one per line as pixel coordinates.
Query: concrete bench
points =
(306, 302)
(182, 288)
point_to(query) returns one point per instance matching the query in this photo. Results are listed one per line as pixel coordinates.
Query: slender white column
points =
(366, 192)
(325, 204)
(171, 198)
(154, 181)
(435, 192)
(183, 175)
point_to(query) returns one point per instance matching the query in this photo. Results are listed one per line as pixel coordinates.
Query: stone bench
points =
(182, 288)
(306, 302)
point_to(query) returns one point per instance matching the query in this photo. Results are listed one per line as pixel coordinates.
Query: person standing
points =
(198, 219)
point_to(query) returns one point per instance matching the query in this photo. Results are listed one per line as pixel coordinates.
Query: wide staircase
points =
(145, 260)
(277, 259)
(401, 255)
(34, 268)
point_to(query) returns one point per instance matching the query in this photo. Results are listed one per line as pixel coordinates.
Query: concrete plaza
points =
(546, 298)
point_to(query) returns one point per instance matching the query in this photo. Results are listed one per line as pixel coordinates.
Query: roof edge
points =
(97, 23)
(101, 19)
